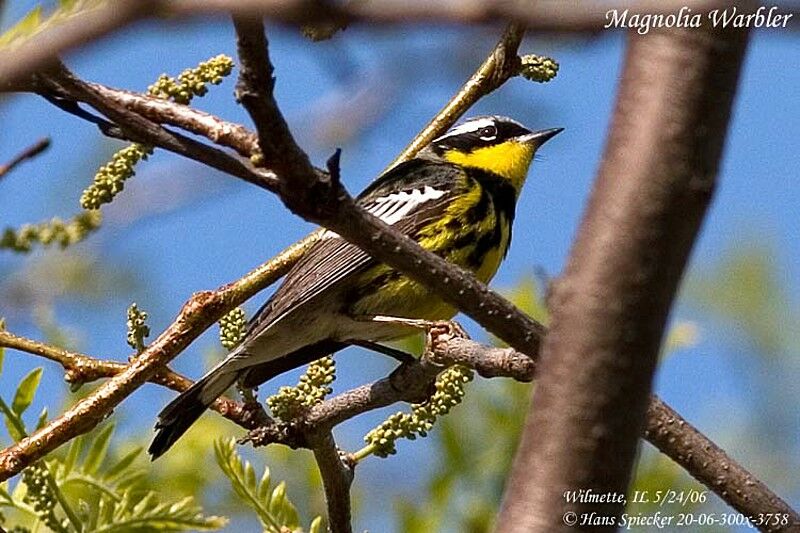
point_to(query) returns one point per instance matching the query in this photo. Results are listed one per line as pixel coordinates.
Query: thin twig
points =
(215, 129)
(501, 64)
(199, 313)
(28, 153)
(35, 52)
(80, 368)
(139, 129)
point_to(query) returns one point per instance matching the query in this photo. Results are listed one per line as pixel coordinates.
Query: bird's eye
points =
(488, 133)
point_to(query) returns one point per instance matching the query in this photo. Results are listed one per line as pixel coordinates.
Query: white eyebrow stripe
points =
(467, 127)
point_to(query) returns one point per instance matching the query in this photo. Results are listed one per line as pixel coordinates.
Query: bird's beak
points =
(538, 138)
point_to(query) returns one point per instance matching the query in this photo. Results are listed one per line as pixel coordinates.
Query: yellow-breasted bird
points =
(456, 198)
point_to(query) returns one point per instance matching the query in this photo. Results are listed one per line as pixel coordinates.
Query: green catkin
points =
(55, 231)
(232, 328)
(192, 82)
(110, 178)
(449, 385)
(540, 69)
(41, 498)
(312, 388)
(138, 330)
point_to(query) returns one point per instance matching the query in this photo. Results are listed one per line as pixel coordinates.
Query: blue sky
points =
(187, 228)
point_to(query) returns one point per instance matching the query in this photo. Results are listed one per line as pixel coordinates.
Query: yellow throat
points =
(510, 160)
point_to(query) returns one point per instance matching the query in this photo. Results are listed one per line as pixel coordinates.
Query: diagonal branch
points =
(80, 368)
(215, 129)
(501, 64)
(36, 51)
(137, 128)
(199, 313)
(665, 429)
(28, 153)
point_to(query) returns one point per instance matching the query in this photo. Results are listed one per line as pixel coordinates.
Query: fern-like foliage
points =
(83, 490)
(274, 509)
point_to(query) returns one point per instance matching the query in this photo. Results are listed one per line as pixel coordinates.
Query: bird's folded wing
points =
(407, 197)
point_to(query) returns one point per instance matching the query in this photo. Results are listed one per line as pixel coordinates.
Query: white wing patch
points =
(393, 207)
(328, 234)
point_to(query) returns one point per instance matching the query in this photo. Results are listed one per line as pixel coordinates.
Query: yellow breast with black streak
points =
(474, 233)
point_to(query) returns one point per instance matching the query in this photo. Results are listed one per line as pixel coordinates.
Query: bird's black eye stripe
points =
(509, 130)
(488, 133)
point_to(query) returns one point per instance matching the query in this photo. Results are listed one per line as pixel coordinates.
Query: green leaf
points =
(14, 424)
(275, 511)
(98, 450)
(42, 421)
(2, 356)
(26, 390)
(74, 452)
(148, 515)
(26, 25)
(5, 497)
(316, 526)
(121, 465)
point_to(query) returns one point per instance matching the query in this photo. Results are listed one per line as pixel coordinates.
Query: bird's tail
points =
(183, 411)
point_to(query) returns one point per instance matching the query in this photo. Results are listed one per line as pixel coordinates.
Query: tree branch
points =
(610, 307)
(665, 429)
(137, 128)
(35, 52)
(80, 369)
(215, 129)
(710, 465)
(28, 153)
(199, 313)
(501, 64)
(337, 477)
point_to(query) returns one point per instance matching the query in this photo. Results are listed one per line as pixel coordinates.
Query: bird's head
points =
(494, 144)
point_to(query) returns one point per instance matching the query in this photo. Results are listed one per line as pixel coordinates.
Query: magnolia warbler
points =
(456, 198)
